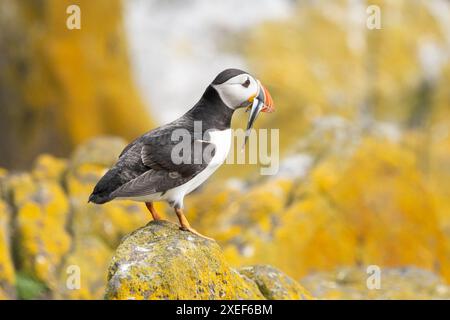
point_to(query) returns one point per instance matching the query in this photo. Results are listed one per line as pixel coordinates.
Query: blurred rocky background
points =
(364, 119)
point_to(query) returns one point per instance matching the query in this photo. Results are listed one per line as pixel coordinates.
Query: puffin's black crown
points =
(226, 75)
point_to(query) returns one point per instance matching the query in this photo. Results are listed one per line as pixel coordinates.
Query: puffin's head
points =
(238, 89)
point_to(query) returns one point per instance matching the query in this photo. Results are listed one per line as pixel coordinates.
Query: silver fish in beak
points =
(261, 103)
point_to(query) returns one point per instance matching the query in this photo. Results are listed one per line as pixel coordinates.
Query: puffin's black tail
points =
(105, 186)
(98, 199)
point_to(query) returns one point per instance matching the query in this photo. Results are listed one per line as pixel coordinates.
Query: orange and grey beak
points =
(263, 102)
(266, 98)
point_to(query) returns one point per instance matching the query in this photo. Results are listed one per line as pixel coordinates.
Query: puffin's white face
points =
(239, 91)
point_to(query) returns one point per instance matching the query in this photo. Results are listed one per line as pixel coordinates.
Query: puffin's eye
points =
(246, 83)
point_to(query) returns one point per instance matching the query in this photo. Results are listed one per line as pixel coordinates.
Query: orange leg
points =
(185, 226)
(152, 210)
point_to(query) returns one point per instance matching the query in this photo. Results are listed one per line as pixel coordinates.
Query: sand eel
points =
(147, 171)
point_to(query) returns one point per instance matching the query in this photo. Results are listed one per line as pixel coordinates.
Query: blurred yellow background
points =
(364, 119)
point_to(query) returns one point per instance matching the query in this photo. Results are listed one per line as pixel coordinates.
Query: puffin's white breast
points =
(222, 142)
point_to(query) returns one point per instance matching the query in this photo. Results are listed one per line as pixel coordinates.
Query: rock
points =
(334, 220)
(248, 220)
(84, 272)
(313, 223)
(7, 272)
(202, 206)
(274, 284)
(47, 167)
(110, 221)
(159, 261)
(258, 208)
(102, 151)
(96, 230)
(42, 214)
(395, 283)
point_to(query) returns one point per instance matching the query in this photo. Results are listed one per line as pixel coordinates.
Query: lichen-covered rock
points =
(249, 220)
(83, 275)
(369, 205)
(388, 214)
(47, 167)
(110, 221)
(96, 230)
(395, 283)
(258, 207)
(7, 272)
(202, 206)
(274, 284)
(161, 262)
(103, 151)
(41, 218)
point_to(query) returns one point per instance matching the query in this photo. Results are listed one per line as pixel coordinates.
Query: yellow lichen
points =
(406, 283)
(42, 213)
(275, 285)
(83, 274)
(161, 262)
(49, 167)
(7, 272)
(375, 208)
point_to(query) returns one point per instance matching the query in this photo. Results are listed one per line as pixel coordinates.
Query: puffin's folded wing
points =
(151, 182)
(167, 166)
(186, 158)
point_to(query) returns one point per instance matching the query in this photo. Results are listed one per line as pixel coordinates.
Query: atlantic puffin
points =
(146, 171)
